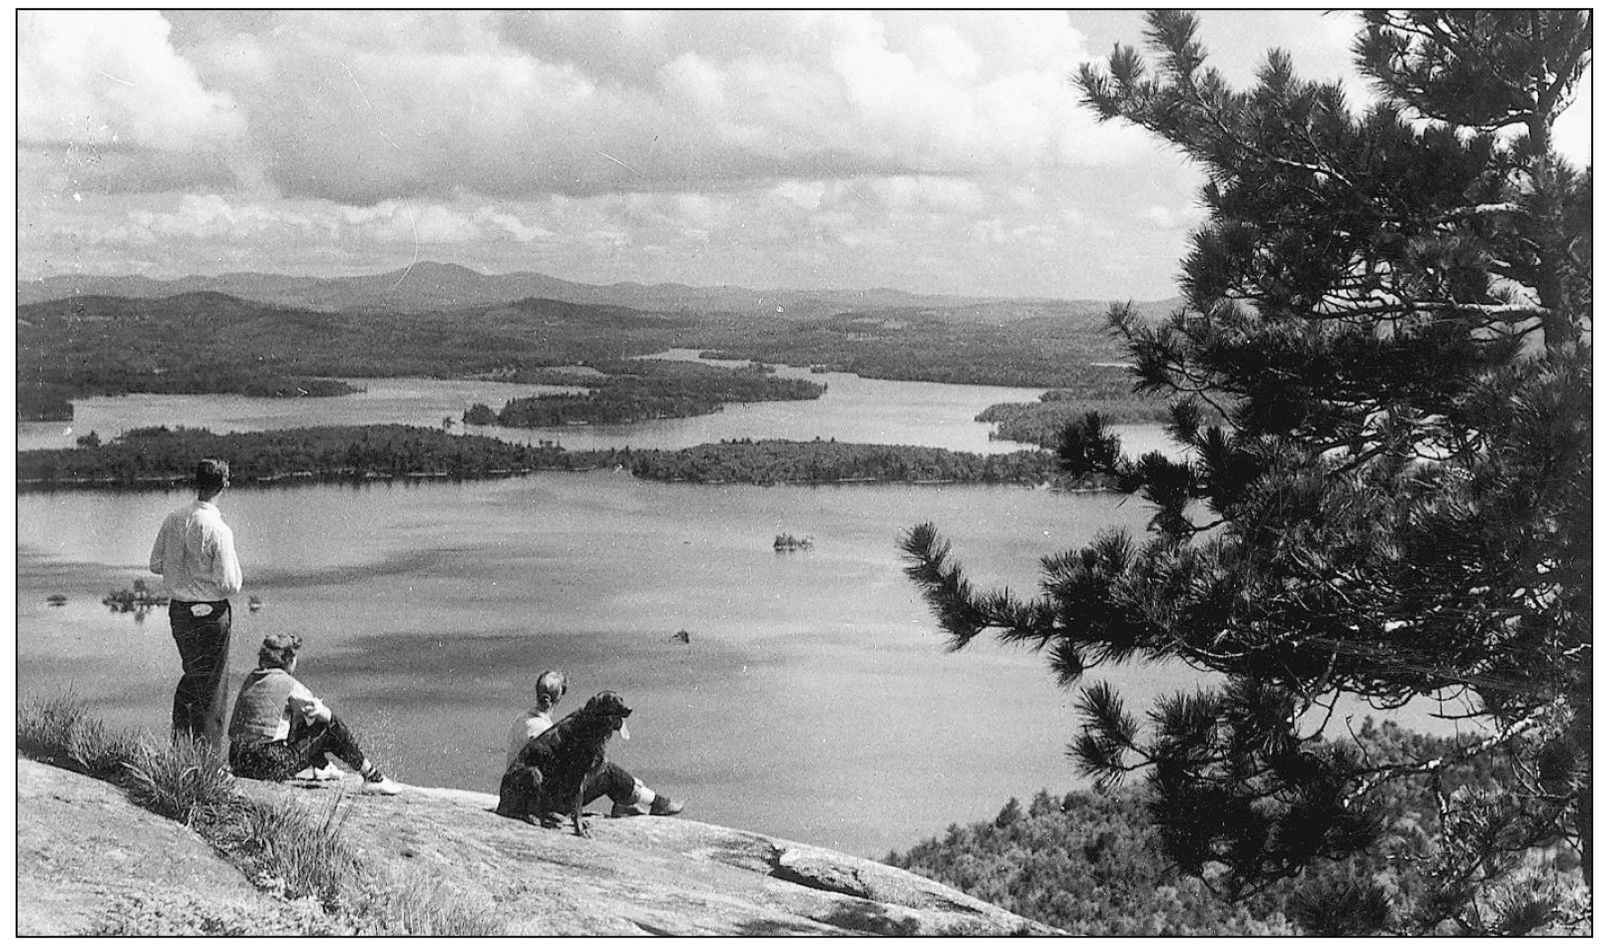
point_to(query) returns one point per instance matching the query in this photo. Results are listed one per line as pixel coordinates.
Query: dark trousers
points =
(307, 747)
(609, 780)
(200, 701)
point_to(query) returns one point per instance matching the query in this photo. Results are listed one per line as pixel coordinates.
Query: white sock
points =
(645, 795)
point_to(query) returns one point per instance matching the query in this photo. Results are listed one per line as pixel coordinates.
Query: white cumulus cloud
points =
(364, 107)
(111, 77)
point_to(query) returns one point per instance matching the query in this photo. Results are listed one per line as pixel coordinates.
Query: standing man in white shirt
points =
(195, 555)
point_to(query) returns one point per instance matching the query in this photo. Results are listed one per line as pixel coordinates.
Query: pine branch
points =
(962, 613)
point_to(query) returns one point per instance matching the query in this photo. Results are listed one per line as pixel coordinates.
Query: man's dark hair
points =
(211, 475)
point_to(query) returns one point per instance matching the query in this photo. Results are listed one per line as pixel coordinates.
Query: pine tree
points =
(1381, 381)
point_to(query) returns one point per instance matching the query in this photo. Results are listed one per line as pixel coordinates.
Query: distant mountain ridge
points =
(437, 286)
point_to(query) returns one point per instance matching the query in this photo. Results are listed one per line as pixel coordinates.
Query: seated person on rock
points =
(279, 728)
(627, 794)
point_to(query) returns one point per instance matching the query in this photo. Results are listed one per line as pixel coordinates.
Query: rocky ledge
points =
(88, 861)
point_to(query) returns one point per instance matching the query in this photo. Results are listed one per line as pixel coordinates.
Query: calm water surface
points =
(814, 700)
(384, 401)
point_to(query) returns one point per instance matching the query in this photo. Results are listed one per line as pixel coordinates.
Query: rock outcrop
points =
(89, 863)
(87, 858)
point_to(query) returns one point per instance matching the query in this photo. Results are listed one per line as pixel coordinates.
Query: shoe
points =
(662, 806)
(380, 784)
(330, 772)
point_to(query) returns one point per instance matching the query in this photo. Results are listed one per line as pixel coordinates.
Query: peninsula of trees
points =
(643, 389)
(1043, 422)
(161, 457)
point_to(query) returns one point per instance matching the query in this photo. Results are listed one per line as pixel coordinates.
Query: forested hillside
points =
(1088, 864)
(1053, 349)
(208, 342)
(1094, 863)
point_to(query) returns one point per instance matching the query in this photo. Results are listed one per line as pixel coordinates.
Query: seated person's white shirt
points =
(528, 726)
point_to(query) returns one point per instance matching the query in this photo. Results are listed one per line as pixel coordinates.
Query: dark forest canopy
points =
(160, 458)
(1093, 864)
(645, 389)
(1043, 421)
(824, 462)
(209, 342)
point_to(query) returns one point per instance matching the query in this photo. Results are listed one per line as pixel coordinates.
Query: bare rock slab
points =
(89, 861)
(647, 875)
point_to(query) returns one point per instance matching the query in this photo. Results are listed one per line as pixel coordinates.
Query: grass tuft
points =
(290, 848)
(60, 730)
(187, 781)
(418, 905)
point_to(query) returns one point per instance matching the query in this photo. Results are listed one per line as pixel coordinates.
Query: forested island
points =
(640, 390)
(161, 457)
(771, 461)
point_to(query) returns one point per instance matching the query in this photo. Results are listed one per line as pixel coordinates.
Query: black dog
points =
(545, 782)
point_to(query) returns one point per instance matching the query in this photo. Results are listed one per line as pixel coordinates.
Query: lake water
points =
(853, 409)
(814, 700)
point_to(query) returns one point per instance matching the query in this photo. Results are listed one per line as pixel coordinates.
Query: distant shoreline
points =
(160, 459)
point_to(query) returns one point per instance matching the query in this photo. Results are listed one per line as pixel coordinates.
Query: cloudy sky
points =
(928, 151)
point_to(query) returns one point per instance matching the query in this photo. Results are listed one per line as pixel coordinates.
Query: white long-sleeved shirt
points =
(195, 555)
(527, 727)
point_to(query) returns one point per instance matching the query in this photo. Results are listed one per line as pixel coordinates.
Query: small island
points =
(137, 598)
(786, 543)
